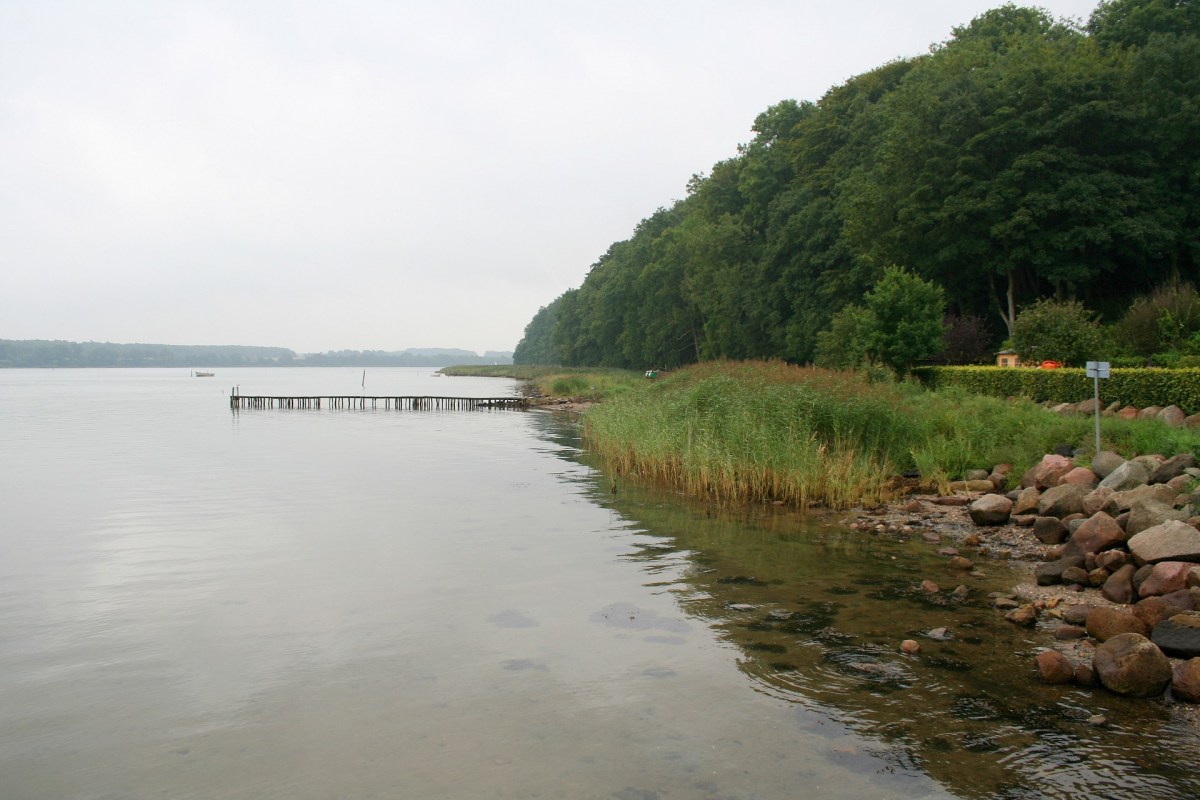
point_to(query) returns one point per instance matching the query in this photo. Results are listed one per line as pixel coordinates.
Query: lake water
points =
(377, 604)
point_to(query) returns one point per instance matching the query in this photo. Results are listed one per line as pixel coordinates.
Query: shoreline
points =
(944, 520)
(1055, 613)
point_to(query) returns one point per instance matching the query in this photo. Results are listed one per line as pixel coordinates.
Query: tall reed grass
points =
(572, 382)
(770, 431)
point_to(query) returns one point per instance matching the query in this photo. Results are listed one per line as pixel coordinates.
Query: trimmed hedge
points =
(1133, 387)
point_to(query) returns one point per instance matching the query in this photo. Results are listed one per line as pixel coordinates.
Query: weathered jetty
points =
(238, 402)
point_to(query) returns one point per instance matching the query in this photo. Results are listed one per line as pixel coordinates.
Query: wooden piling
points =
(239, 402)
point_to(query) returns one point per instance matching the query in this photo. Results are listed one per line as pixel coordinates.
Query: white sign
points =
(1097, 369)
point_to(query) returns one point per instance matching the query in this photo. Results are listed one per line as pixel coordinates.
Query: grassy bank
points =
(770, 431)
(570, 382)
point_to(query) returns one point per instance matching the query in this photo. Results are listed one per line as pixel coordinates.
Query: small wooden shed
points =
(1007, 358)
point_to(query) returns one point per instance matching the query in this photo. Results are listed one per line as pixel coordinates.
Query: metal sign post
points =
(1097, 370)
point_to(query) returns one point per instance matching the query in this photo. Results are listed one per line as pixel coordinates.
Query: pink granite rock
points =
(1166, 577)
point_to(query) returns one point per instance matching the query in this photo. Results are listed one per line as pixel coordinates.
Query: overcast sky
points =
(377, 174)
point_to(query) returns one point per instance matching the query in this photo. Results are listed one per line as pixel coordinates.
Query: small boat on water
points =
(197, 374)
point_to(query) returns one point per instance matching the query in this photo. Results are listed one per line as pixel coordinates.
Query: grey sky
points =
(377, 175)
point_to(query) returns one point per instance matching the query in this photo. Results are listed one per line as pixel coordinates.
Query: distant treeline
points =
(406, 358)
(1022, 158)
(45, 353)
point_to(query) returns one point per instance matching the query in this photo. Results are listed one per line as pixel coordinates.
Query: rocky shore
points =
(1111, 554)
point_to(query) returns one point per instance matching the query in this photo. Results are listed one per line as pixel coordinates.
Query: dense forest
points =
(57, 353)
(1023, 160)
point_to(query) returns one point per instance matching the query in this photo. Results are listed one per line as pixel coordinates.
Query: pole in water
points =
(364, 382)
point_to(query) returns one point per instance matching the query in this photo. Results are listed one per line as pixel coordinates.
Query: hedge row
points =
(1135, 387)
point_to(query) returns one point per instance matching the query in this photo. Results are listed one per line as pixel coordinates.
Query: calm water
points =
(377, 604)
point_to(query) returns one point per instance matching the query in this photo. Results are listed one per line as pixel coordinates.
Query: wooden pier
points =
(238, 402)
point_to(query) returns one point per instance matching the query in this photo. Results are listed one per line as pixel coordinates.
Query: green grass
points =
(771, 431)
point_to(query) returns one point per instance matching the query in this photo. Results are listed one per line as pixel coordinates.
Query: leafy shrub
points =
(900, 324)
(1050, 330)
(1162, 320)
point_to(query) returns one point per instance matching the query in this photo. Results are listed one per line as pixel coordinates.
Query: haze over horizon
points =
(377, 175)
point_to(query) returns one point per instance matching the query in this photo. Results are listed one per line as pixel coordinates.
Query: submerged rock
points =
(1026, 616)
(1054, 668)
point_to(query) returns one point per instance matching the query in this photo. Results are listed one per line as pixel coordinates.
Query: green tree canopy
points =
(1023, 158)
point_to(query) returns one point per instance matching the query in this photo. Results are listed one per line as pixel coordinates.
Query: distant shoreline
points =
(39, 354)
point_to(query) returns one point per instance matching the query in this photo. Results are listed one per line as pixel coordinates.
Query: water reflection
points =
(817, 613)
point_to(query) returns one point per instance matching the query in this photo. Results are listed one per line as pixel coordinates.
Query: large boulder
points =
(1166, 577)
(1185, 681)
(1172, 468)
(1105, 462)
(1048, 471)
(1126, 477)
(991, 509)
(1119, 586)
(1147, 513)
(1027, 501)
(1153, 610)
(1075, 575)
(1171, 541)
(1149, 412)
(1179, 635)
(1049, 530)
(1100, 532)
(1130, 664)
(1105, 622)
(1100, 500)
(1161, 492)
(1082, 477)
(1150, 461)
(1061, 501)
(1172, 415)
